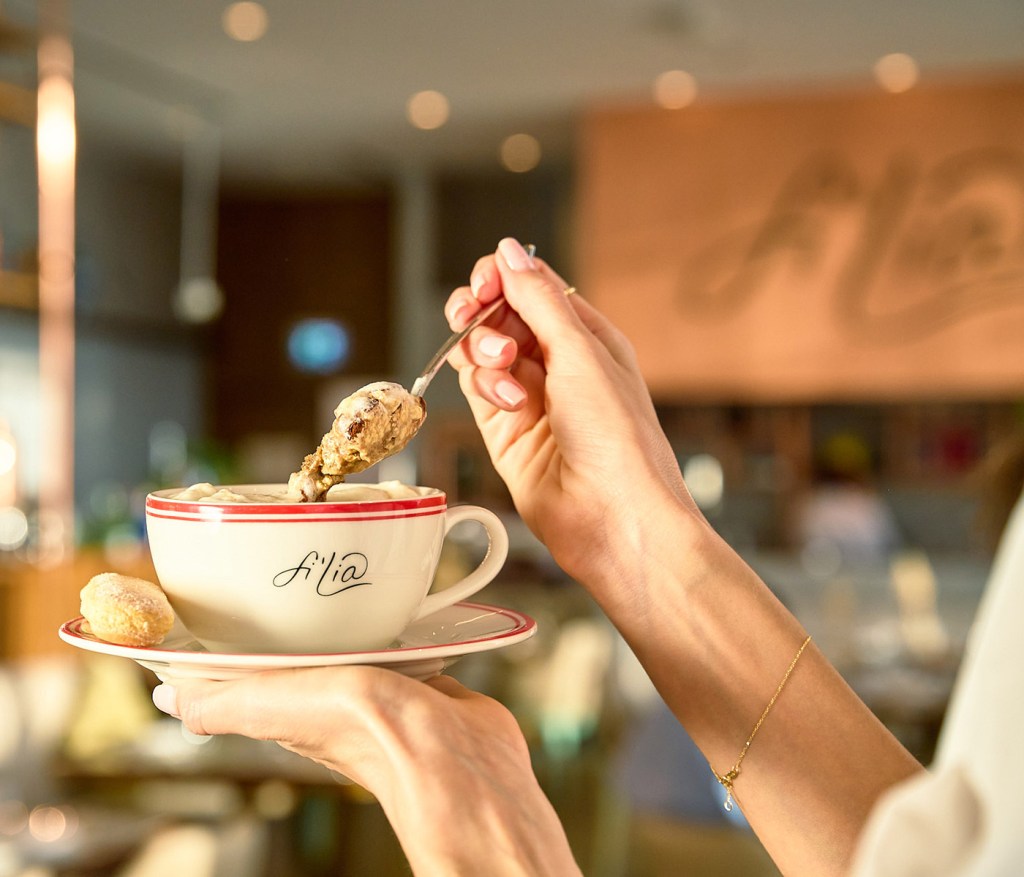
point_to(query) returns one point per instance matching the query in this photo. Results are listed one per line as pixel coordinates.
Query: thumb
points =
(290, 705)
(202, 706)
(261, 711)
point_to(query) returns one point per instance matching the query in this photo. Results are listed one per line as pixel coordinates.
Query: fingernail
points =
(165, 697)
(454, 317)
(509, 392)
(494, 346)
(476, 283)
(515, 256)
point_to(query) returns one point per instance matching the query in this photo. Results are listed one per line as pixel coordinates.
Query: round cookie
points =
(126, 610)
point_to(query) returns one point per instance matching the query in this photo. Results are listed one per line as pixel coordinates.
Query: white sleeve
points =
(965, 817)
(929, 825)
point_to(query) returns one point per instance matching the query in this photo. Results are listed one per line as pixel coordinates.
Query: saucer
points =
(424, 649)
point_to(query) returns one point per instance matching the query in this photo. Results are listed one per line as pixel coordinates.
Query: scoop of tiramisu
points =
(374, 422)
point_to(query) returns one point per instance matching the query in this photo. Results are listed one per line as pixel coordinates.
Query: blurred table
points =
(35, 600)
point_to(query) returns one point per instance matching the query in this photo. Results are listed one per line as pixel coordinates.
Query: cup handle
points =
(489, 567)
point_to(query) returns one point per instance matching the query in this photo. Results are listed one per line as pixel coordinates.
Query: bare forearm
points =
(593, 475)
(516, 832)
(716, 643)
(466, 802)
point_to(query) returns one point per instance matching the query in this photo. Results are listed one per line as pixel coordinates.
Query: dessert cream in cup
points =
(248, 569)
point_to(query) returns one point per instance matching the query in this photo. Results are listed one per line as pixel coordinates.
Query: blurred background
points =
(218, 219)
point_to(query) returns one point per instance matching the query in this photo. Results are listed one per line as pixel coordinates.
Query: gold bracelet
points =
(727, 779)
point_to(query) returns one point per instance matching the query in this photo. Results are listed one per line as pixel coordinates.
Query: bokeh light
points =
(896, 72)
(13, 528)
(198, 300)
(13, 816)
(520, 153)
(48, 824)
(245, 21)
(704, 476)
(318, 345)
(427, 110)
(675, 89)
(55, 129)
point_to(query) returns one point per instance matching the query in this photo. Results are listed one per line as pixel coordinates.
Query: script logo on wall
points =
(857, 245)
(931, 245)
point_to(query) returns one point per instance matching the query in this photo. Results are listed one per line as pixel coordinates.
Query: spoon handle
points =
(419, 386)
(421, 383)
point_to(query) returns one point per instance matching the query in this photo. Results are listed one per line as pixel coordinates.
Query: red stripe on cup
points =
(220, 515)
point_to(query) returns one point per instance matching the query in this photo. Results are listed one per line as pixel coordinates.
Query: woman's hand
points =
(449, 766)
(557, 394)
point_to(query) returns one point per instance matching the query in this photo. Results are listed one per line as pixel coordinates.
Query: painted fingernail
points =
(509, 392)
(494, 346)
(476, 283)
(515, 256)
(165, 697)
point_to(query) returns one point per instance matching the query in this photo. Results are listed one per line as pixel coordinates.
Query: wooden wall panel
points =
(813, 248)
(281, 259)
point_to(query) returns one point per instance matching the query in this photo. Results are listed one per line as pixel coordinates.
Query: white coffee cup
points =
(285, 577)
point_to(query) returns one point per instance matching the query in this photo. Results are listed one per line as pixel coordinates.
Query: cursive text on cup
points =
(333, 574)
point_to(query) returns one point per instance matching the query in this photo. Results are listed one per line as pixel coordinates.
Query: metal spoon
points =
(419, 386)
